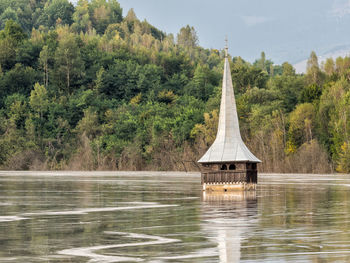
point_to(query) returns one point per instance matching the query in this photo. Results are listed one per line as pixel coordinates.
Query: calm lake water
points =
(165, 217)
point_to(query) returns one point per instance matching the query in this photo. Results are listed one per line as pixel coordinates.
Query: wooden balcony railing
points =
(226, 177)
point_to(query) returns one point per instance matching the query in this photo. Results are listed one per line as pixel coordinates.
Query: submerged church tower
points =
(228, 164)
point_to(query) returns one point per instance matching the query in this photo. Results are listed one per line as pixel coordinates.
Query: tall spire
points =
(228, 145)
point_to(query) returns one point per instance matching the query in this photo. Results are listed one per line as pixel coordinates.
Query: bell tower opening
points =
(223, 167)
(232, 167)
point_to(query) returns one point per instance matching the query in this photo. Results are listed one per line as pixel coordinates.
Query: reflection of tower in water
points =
(226, 216)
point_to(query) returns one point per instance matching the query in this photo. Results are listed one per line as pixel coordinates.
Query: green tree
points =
(342, 65)
(56, 11)
(19, 79)
(208, 129)
(103, 13)
(245, 76)
(8, 14)
(289, 88)
(313, 72)
(81, 17)
(264, 64)
(344, 164)
(16, 110)
(310, 93)
(38, 99)
(69, 66)
(329, 66)
(331, 116)
(44, 63)
(14, 32)
(302, 125)
(89, 124)
(202, 84)
(10, 38)
(187, 37)
(131, 16)
(287, 69)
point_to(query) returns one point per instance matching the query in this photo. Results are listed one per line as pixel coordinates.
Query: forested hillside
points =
(86, 87)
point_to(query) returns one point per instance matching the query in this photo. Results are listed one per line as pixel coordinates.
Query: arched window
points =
(223, 167)
(232, 167)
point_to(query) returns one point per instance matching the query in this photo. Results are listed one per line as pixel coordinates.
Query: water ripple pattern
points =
(161, 217)
(89, 251)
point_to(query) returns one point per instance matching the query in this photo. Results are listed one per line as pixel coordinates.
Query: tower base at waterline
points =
(229, 187)
(229, 177)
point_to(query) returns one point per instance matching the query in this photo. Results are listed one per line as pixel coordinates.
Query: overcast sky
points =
(286, 30)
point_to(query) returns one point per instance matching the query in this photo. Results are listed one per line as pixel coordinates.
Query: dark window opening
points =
(232, 167)
(254, 166)
(223, 167)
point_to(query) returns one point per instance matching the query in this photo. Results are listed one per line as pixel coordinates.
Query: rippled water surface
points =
(165, 217)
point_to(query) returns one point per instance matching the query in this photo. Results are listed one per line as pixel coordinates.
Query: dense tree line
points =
(83, 87)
